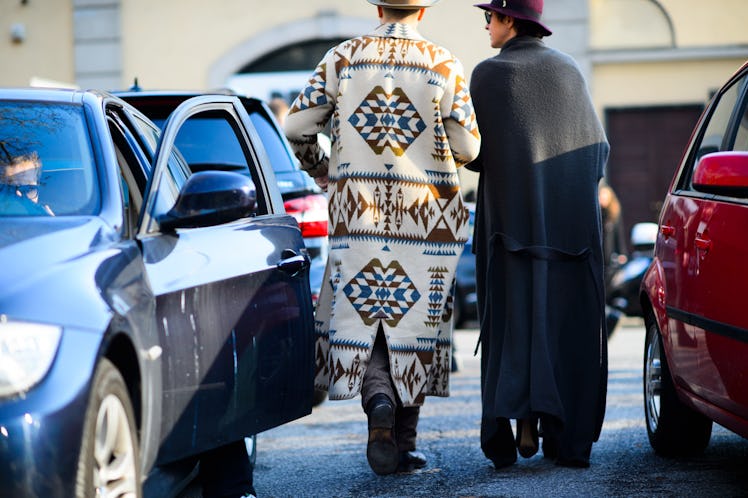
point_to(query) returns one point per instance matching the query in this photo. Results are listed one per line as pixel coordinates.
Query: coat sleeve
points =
(458, 115)
(309, 114)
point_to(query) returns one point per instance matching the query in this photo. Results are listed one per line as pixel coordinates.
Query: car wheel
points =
(674, 429)
(108, 464)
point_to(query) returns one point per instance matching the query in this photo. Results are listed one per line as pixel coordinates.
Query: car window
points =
(207, 141)
(46, 161)
(171, 182)
(280, 155)
(726, 127)
(741, 138)
(148, 132)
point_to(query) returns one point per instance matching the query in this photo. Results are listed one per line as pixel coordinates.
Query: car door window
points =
(225, 152)
(231, 153)
(724, 131)
(741, 139)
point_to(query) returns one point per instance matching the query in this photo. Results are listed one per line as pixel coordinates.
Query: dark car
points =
(302, 198)
(693, 294)
(148, 313)
(622, 288)
(466, 297)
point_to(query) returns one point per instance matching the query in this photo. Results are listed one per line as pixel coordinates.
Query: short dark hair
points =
(398, 14)
(523, 26)
(528, 28)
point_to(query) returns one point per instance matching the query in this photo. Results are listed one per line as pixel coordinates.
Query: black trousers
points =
(378, 380)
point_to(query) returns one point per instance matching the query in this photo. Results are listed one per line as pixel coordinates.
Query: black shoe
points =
(381, 451)
(527, 437)
(550, 447)
(410, 461)
(500, 446)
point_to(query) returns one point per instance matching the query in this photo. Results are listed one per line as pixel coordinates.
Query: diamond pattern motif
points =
(387, 120)
(379, 293)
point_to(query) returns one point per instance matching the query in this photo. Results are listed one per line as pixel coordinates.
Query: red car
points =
(694, 293)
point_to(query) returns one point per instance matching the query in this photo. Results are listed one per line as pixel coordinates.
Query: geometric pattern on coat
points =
(314, 94)
(379, 293)
(436, 296)
(401, 122)
(375, 206)
(387, 120)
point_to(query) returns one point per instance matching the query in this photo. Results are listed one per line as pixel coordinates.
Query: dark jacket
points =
(538, 242)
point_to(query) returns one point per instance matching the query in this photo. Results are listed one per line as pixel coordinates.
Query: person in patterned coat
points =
(402, 123)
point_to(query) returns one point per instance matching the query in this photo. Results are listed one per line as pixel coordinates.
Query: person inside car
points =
(19, 186)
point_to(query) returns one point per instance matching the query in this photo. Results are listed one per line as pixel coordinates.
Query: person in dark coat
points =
(538, 245)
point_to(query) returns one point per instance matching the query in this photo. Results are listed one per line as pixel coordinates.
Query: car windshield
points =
(46, 163)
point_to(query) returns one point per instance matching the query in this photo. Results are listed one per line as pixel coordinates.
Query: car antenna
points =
(135, 86)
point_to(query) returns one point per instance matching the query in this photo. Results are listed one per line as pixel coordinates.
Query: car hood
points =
(40, 255)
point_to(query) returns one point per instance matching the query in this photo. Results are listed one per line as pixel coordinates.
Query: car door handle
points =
(667, 231)
(703, 243)
(293, 263)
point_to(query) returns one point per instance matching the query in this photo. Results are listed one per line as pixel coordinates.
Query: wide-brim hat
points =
(529, 10)
(404, 4)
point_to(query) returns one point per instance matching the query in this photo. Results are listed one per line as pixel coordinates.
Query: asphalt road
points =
(323, 454)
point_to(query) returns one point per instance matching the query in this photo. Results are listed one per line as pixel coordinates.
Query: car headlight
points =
(26, 353)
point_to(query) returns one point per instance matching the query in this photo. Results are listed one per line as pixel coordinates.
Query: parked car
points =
(148, 313)
(466, 297)
(302, 198)
(693, 294)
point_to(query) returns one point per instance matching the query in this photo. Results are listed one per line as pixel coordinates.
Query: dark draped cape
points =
(538, 244)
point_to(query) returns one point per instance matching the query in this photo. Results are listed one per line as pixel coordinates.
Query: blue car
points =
(148, 312)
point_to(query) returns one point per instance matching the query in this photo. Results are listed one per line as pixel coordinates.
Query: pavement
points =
(324, 453)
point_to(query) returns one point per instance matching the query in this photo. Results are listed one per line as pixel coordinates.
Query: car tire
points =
(674, 429)
(109, 461)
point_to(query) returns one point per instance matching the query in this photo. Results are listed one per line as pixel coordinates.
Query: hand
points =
(322, 181)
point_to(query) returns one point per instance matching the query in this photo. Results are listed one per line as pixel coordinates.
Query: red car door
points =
(720, 287)
(705, 234)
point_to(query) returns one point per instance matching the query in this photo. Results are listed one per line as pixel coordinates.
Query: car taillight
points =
(311, 213)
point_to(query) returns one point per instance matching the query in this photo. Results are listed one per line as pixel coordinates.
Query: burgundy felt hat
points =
(529, 10)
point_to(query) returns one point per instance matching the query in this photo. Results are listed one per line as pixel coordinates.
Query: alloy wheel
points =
(653, 381)
(114, 455)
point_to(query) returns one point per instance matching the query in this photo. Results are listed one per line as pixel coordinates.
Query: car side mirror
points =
(722, 173)
(211, 198)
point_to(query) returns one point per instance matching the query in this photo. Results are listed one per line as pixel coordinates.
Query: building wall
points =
(45, 49)
(629, 49)
(98, 33)
(226, 33)
(660, 52)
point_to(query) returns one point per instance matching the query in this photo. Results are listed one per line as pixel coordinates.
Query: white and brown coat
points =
(402, 122)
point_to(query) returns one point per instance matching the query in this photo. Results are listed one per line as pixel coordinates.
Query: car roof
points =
(182, 94)
(61, 95)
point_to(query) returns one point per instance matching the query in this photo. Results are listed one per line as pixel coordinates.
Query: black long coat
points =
(538, 244)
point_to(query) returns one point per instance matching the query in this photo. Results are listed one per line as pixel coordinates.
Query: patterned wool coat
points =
(402, 122)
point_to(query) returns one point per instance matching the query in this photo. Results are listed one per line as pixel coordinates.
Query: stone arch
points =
(630, 24)
(324, 25)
